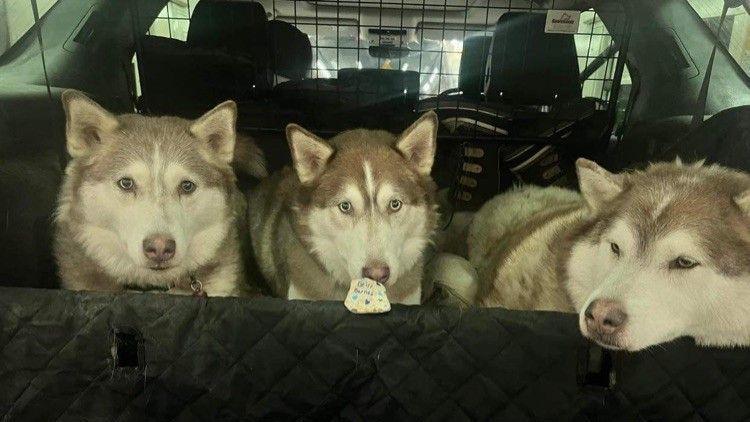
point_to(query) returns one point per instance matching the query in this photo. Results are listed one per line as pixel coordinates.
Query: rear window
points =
(16, 18)
(734, 33)
(342, 39)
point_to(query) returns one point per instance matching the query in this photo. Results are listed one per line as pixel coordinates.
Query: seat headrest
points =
(528, 66)
(473, 65)
(240, 27)
(291, 51)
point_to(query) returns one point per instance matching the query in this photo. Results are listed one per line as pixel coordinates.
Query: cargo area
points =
(521, 88)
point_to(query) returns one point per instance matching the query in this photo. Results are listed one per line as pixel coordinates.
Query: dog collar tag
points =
(197, 287)
(367, 296)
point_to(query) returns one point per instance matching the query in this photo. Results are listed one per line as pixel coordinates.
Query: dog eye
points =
(345, 207)
(615, 248)
(395, 204)
(683, 263)
(126, 184)
(187, 186)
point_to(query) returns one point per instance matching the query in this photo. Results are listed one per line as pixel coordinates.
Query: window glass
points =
(16, 18)
(173, 21)
(734, 34)
(435, 51)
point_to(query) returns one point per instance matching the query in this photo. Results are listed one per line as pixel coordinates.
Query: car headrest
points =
(528, 66)
(291, 51)
(239, 27)
(471, 71)
(396, 83)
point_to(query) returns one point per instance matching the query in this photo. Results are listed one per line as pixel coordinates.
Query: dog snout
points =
(159, 248)
(377, 271)
(604, 316)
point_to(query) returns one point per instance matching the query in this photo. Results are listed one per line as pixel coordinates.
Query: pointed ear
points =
(218, 129)
(743, 201)
(699, 163)
(419, 142)
(598, 186)
(310, 154)
(86, 123)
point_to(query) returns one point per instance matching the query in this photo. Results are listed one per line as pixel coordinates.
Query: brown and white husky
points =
(361, 204)
(643, 257)
(151, 202)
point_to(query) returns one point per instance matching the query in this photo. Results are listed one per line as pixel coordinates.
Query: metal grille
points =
(516, 102)
(342, 32)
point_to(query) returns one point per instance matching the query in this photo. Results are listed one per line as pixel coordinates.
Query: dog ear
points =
(598, 186)
(218, 129)
(419, 142)
(86, 123)
(310, 153)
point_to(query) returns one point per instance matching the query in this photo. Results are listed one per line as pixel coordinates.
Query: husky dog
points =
(361, 204)
(151, 202)
(643, 257)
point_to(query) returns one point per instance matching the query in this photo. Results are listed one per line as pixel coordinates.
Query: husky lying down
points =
(151, 202)
(643, 257)
(359, 205)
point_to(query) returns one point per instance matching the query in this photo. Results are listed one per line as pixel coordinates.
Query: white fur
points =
(116, 222)
(346, 243)
(661, 303)
(457, 273)
(507, 212)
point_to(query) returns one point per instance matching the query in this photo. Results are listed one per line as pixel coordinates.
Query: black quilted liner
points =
(72, 356)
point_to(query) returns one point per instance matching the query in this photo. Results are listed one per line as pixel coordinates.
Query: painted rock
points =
(367, 297)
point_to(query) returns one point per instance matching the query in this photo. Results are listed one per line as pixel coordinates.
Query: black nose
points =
(159, 248)
(605, 316)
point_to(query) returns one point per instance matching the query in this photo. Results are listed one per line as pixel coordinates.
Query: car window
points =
(595, 50)
(16, 18)
(173, 20)
(734, 33)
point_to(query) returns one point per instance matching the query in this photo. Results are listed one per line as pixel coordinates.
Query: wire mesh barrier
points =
(520, 87)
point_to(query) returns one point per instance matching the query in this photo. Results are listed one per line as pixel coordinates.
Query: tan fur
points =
(104, 148)
(550, 249)
(507, 244)
(282, 212)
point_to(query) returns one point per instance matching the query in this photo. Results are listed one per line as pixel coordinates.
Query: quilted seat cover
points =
(63, 356)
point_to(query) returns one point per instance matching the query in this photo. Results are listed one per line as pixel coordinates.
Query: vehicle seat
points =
(225, 57)
(528, 66)
(371, 98)
(291, 51)
(239, 28)
(722, 139)
(531, 89)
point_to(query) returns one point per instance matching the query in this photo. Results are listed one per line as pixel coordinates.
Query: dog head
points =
(149, 195)
(366, 206)
(666, 254)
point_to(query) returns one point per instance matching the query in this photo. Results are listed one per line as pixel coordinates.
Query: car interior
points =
(638, 81)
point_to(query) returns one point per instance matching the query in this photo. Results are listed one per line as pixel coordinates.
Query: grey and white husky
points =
(361, 204)
(151, 202)
(642, 257)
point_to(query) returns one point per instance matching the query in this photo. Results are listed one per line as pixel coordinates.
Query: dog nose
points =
(159, 248)
(378, 272)
(605, 316)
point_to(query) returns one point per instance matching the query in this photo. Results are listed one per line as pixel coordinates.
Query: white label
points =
(391, 40)
(562, 21)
